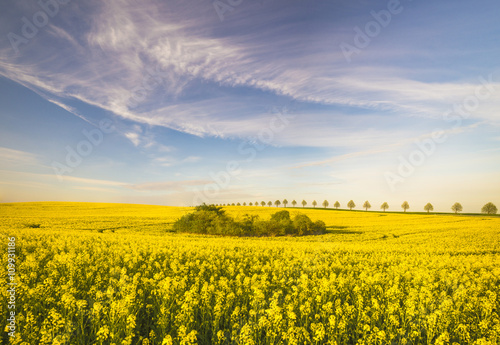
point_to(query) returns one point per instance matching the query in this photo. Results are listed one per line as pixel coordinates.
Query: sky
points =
(180, 102)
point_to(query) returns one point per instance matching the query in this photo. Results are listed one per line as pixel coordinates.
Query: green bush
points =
(305, 226)
(212, 220)
(211, 208)
(204, 222)
(283, 222)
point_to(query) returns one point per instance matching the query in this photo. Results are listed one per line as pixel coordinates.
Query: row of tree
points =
(488, 208)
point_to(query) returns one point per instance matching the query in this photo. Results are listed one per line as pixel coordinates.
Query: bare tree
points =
(367, 205)
(405, 206)
(457, 207)
(351, 205)
(489, 208)
(336, 205)
(384, 206)
(325, 203)
(429, 207)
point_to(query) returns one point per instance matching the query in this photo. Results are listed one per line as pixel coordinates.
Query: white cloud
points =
(191, 159)
(90, 181)
(13, 157)
(69, 109)
(142, 55)
(133, 137)
(168, 185)
(168, 161)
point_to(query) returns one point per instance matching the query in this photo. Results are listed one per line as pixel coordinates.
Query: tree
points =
(256, 203)
(244, 204)
(250, 204)
(232, 204)
(457, 207)
(263, 203)
(336, 205)
(367, 205)
(384, 206)
(277, 203)
(489, 208)
(325, 203)
(429, 207)
(304, 203)
(270, 204)
(285, 202)
(314, 203)
(238, 204)
(351, 205)
(294, 203)
(405, 206)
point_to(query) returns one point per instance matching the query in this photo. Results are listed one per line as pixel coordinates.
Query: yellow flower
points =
(167, 340)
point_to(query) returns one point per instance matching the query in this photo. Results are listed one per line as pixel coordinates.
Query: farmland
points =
(114, 274)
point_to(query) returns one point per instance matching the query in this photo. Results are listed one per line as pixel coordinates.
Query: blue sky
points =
(188, 101)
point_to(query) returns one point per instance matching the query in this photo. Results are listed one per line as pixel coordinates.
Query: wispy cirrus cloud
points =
(126, 47)
(168, 161)
(11, 157)
(69, 109)
(18, 178)
(168, 185)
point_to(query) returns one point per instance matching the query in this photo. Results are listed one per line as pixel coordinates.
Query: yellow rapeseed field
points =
(114, 274)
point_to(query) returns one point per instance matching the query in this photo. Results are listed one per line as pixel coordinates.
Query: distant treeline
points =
(488, 208)
(211, 219)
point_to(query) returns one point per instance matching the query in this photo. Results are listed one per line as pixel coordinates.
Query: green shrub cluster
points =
(210, 219)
